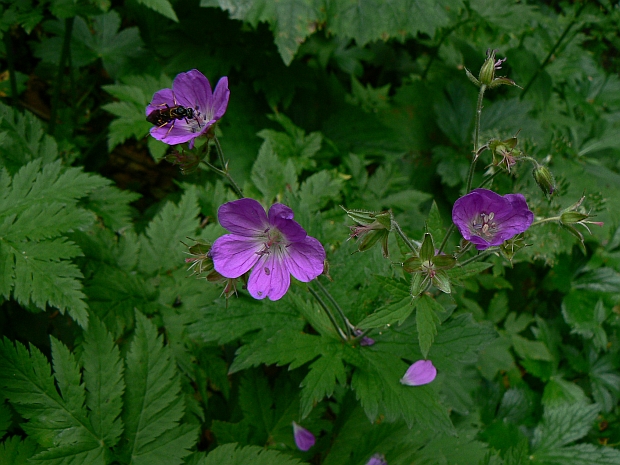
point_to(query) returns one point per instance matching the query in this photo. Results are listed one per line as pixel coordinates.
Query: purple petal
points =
(192, 89)
(421, 372)
(173, 134)
(377, 459)
(305, 260)
(234, 255)
(160, 99)
(244, 217)
(304, 439)
(281, 217)
(269, 278)
(220, 98)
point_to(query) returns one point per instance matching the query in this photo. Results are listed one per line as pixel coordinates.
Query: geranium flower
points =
(273, 246)
(486, 219)
(421, 372)
(192, 91)
(304, 439)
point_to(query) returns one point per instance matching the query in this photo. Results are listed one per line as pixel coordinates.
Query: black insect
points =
(170, 114)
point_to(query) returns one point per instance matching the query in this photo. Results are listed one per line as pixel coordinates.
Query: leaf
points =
(55, 422)
(112, 205)
(14, 451)
(161, 244)
(162, 7)
(427, 320)
(564, 424)
(472, 269)
(256, 402)
(153, 405)
(37, 206)
(388, 315)
(284, 347)
(321, 379)
(268, 173)
(103, 376)
(290, 21)
(228, 454)
(581, 454)
(319, 189)
(376, 384)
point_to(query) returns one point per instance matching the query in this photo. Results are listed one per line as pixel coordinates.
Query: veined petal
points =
(192, 89)
(305, 260)
(176, 133)
(220, 98)
(269, 278)
(421, 372)
(160, 99)
(281, 217)
(234, 255)
(244, 217)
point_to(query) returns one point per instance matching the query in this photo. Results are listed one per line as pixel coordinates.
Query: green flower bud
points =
(487, 72)
(544, 179)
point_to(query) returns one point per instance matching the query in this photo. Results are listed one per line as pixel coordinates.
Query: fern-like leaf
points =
(153, 405)
(229, 454)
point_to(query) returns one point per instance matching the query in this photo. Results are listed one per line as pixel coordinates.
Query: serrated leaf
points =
(319, 189)
(103, 376)
(228, 454)
(14, 451)
(388, 315)
(427, 320)
(153, 406)
(284, 347)
(268, 172)
(162, 7)
(581, 454)
(472, 269)
(161, 246)
(321, 379)
(564, 424)
(376, 383)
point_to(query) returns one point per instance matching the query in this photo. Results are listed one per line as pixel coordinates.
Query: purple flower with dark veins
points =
(421, 372)
(304, 439)
(486, 219)
(188, 110)
(273, 246)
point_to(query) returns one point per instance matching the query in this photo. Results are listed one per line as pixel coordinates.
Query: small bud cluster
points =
(486, 77)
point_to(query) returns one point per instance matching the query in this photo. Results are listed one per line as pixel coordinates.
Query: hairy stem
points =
(329, 313)
(545, 220)
(64, 55)
(472, 167)
(224, 171)
(404, 237)
(347, 324)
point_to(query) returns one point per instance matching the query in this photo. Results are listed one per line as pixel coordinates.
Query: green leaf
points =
(14, 451)
(153, 406)
(161, 245)
(284, 347)
(434, 225)
(319, 189)
(37, 206)
(112, 205)
(376, 382)
(103, 376)
(427, 320)
(581, 454)
(268, 173)
(322, 377)
(228, 454)
(256, 403)
(162, 7)
(388, 315)
(564, 424)
(527, 349)
(472, 269)
(290, 21)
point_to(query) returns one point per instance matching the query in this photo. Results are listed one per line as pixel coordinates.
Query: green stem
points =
(445, 238)
(488, 179)
(545, 220)
(552, 51)
(480, 256)
(66, 51)
(329, 313)
(224, 172)
(347, 324)
(8, 44)
(472, 166)
(404, 237)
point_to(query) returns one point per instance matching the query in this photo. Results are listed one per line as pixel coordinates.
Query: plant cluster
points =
(354, 250)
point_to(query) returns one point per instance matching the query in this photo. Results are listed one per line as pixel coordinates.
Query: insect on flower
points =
(170, 114)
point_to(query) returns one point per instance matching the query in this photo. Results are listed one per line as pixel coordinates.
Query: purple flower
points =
(377, 459)
(273, 246)
(486, 219)
(421, 372)
(192, 91)
(304, 439)
(365, 340)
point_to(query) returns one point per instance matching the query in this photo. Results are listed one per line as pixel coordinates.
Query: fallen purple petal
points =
(421, 372)
(377, 459)
(304, 439)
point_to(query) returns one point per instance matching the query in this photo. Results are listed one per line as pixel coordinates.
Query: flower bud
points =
(372, 227)
(544, 179)
(487, 72)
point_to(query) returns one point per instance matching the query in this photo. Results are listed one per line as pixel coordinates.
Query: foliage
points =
(361, 118)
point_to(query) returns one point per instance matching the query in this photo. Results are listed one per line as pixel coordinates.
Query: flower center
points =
(483, 225)
(274, 241)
